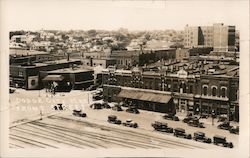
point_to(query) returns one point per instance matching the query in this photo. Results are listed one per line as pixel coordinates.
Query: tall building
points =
(224, 38)
(218, 36)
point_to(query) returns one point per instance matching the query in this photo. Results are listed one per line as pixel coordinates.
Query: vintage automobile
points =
(170, 116)
(201, 137)
(222, 140)
(97, 97)
(196, 123)
(130, 123)
(234, 130)
(187, 119)
(180, 132)
(106, 105)
(162, 127)
(116, 107)
(204, 116)
(79, 113)
(225, 125)
(59, 107)
(12, 90)
(113, 119)
(96, 106)
(133, 110)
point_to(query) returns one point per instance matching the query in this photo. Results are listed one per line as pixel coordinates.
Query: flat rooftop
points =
(70, 70)
(22, 52)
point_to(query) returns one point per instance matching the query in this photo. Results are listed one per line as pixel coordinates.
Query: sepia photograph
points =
(125, 78)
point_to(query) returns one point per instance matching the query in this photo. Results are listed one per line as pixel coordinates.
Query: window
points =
(191, 89)
(33, 82)
(20, 73)
(214, 91)
(205, 90)
(223, 92)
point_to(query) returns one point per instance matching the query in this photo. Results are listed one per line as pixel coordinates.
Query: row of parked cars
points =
(190, 120)
(178, 132)
(129, 122)
(197, 136)
(194, 122)
(226, 126)
(113, 106)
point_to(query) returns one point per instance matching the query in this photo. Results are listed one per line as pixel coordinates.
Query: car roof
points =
(218, 136)
(112, 116)
(201, 133)
(163, 123)
(180, 129)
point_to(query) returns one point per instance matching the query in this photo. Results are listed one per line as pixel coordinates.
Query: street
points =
(59, 129)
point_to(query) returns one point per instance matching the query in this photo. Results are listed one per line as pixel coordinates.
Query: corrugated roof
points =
(144, 95)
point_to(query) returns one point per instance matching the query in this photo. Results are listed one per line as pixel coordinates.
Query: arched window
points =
(223, 92)
(205, 90)
(214, 91)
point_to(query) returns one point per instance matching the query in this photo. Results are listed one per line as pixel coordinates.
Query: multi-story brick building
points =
(201, 93)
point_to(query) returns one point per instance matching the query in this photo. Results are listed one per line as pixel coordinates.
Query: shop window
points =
(214, 91)
(223, 92)
(204, 90)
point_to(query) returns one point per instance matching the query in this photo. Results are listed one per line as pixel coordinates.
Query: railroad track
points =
(57, 131)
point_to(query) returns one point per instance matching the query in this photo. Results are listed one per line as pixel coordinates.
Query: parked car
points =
(116, 107)
(204, 116)
(113, 119)
(187, 119)
(234, 130)
(97, 97)
(196, 123)
(222, 140)
(201, 137)
(225, 125)
(12, 90)
(130, 123)
(59, 107)
(106, 105)
(180, 132)
(171, 117)
(162, 127)
(96, 106)
(133, 110)
(79, 113)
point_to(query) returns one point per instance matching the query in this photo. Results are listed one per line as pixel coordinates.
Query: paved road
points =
(68, 131)
(65, 130)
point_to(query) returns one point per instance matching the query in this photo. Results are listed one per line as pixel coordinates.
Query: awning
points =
(53, 78)
(144, 95)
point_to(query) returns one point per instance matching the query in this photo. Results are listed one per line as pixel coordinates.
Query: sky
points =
(112, 15)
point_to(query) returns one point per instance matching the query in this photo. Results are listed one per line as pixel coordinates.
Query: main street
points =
(59, 129)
